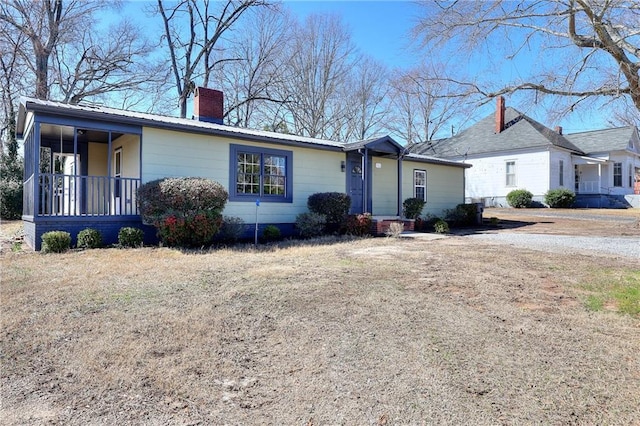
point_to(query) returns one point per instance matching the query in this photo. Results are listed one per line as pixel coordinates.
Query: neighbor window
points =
(260, 173)
(561, 173)
(420, 184)
(511, 173)
(630, 176)
(617, 174)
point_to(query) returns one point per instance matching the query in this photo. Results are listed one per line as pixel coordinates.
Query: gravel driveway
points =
(617, 246)
(603, 244)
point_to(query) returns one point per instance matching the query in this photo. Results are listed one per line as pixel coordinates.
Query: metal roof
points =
(105, 114)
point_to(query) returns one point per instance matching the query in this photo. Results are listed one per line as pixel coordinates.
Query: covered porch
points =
(78, 174)
(591, 175)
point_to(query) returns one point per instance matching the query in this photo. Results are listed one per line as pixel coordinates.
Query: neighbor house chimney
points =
(500, 114)
(208, 105)
(559, 130)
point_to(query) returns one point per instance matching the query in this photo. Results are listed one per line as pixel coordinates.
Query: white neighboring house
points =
(512, 151)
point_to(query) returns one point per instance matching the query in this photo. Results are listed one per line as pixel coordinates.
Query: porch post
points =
(109, 191)
(36, 169)
(399, 185)
(364, 182)
(599, 178)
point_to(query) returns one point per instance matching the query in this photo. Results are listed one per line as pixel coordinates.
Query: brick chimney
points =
(500, 108)
(559, 130)
(208, 105)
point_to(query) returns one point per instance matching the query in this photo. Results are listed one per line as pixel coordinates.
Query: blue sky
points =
(379, 28)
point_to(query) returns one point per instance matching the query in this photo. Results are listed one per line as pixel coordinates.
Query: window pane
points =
(511, 173)
(420, 184)
(617, 174)
(274, 175)
(248, 181)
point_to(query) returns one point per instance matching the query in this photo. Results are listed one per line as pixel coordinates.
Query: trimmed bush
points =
(412, 207)
(271, 233)
(441, 227)
(560, 198)
(188, 230)
(358, 225)
(187, 212)
(130, 237)
(186, 195)
(56, 242)
(333, 205)
(231, 229)
(462, 215)
(89, 238)
(310, 224)
(519, 198)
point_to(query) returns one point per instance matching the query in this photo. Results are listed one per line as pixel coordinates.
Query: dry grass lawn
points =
(374, 331)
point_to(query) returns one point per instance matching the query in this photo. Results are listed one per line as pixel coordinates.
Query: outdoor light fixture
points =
(343, 166)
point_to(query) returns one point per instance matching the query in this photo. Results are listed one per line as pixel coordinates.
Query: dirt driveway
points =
(586, 222)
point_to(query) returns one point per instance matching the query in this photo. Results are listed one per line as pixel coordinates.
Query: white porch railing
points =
(589, 187)
(74, 195)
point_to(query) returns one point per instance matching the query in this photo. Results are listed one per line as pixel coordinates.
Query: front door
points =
(355, 184)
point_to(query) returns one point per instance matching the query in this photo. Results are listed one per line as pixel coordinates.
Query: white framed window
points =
(420, 184)
(630, 176)
(561, 173)
(510, 173)
(617, 174)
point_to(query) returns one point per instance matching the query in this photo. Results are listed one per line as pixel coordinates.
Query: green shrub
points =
(130, 237)
(271, 233)
(11, 188)
(333, 205)
(189, 196)
(441, 227)
(89, 239)
(462, 215)
(187, 212)
(519, 198)
(310, 224)
(425, 224)
(231, 229)
(358, 225)
(56, 241)
(560, 198)
(412, 207)
(10, 198)
(195, 229)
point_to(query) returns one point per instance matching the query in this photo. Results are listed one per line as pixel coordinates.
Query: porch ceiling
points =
(53, 131)
(578, 159)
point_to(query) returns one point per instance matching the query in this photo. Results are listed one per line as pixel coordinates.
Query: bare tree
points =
(192, 32)
(366, 99)
(104, 63)
(422, 104)
(250, 80)
(47, 24)
(587, 49)
(319, 66)
(13, 73)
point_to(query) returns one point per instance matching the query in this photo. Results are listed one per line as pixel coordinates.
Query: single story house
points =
(510, 150)
(83, 165)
